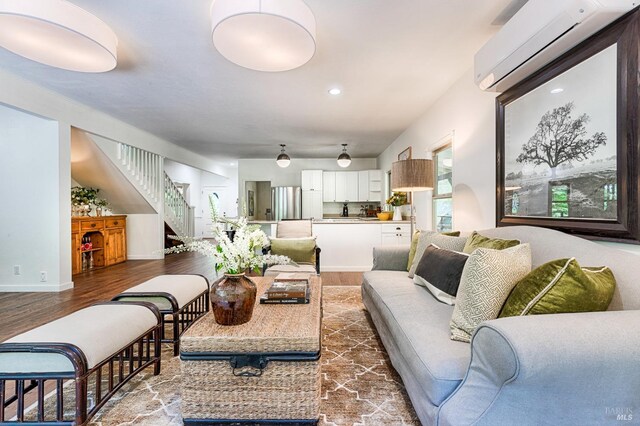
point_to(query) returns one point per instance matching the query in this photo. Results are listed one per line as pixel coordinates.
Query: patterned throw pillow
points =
(487, 279)
(561, 286)
(480, 241)
(443, 241)
(440, 271)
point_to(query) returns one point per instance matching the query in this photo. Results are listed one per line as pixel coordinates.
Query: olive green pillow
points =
(561, 286)
(414, 244)
(300, 250)
(476, 240)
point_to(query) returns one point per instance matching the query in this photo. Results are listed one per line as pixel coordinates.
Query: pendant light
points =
(344, 159)
(57, 33)
(283, 159)
(264, 35)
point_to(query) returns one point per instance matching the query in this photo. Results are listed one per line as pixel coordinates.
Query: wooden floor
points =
(20, 312)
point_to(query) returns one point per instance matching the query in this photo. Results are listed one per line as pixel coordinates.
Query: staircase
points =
(145, 170)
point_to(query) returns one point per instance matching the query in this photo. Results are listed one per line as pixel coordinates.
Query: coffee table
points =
(264, 371)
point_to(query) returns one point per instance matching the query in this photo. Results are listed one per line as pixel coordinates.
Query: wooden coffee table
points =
(266, 370)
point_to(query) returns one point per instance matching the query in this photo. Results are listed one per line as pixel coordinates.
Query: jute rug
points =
(359, 386)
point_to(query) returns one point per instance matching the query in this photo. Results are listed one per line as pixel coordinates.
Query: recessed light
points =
(335, 91)
(557, 90)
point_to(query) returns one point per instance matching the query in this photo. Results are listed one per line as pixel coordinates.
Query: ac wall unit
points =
(538, 33)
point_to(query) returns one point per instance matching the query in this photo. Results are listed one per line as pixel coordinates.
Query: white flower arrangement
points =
(234, 257)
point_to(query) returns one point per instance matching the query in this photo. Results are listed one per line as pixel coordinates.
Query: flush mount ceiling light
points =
(557, 90)
(344, 159)
(283, 159)
(57, 33)
(264, 35)
(335, 91)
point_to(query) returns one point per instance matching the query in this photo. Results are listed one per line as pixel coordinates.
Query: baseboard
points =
(153, 256)
(361, 268)
(39, 288)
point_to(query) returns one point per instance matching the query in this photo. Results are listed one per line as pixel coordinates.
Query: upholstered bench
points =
(95, 350)
(184, 297)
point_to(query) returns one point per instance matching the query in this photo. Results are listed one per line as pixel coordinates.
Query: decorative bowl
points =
(384, 215)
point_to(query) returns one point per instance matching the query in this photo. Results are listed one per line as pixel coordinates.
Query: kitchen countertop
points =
(341, 220)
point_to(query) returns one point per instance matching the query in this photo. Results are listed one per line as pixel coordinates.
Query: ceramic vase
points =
(232, 299)
(397, 213)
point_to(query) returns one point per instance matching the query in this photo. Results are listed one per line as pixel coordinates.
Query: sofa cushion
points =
(443, 241)
(439, 271)
(561, 286)
(487, 279)
(300, 250)
(476, 240)
(414, 244)
(419, 326)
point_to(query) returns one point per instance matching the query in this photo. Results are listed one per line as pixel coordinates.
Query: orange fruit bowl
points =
(385, 215)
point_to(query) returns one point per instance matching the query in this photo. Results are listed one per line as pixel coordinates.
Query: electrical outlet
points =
(43, 276)
(17, 270)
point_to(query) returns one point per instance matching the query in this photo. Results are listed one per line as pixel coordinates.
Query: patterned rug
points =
(359, 386)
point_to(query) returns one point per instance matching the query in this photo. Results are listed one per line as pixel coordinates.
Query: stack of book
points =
(291, 288)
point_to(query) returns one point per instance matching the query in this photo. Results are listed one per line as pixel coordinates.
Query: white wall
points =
(468, 113)
(35, 213)
(144, 241)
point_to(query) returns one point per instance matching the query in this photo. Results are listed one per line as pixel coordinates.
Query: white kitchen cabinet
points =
(312, 180)
(311, 205)
(395, 234)
(346, 186)
(329, 187)
(346, 246)
(370, 185)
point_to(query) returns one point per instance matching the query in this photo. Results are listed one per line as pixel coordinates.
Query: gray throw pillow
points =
(443, 241)
(440, 271)
(487, 279)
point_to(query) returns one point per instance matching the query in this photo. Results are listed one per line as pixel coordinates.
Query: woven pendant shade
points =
(412, 175)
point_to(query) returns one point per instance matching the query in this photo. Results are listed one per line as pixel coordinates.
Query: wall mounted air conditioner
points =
(541, 31)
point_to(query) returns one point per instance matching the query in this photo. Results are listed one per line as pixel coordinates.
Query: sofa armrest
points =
(550, 369)
(390, 258)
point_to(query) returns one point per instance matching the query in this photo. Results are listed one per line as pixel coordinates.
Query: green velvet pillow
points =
(561, 286)
(476, 240)
(300, 250)
(414, 244)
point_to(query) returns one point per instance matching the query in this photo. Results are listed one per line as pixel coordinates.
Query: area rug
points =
(359, 386)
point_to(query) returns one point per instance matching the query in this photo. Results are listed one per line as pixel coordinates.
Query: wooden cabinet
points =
(312, 180)
(108, 238)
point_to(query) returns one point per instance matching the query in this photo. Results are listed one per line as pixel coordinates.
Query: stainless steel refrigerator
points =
(286, 202)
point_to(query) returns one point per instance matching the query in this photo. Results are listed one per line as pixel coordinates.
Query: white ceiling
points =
(392, 58)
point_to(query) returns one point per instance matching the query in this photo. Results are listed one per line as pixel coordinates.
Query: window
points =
(443, 189)
(559, 200)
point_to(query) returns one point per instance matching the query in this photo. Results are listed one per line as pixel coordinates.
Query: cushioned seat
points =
(184, 297)
(419, 325)
(274, 270)
(99, 331)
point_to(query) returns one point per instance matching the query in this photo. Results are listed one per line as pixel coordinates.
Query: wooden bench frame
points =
(181, 319)
(122, 364)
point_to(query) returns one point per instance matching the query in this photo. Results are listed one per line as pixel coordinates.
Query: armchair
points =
(294, 238)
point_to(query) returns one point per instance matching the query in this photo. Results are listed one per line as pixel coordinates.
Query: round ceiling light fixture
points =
(59, 34)
(283, 159)
(264, 35)
(335, 91)
(344, 159)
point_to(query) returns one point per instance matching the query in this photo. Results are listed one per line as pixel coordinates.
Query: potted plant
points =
(397, 200)
(233, 296)
(102, 205)
(82, 199)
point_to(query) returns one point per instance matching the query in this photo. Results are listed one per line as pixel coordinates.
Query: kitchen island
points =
(347, 243)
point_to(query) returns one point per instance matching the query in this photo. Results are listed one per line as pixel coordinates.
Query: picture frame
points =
(593, 190)
(405, 155)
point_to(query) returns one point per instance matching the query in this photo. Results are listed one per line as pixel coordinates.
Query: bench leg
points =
(81, 400)
(176, 334)
(157, 349)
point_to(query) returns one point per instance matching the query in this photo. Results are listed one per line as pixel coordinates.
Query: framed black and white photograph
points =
(563, 140)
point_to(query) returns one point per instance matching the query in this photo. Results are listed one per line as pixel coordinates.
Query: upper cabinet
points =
(365, 185)
(329, 187)
(370, 185)
(312, 180)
